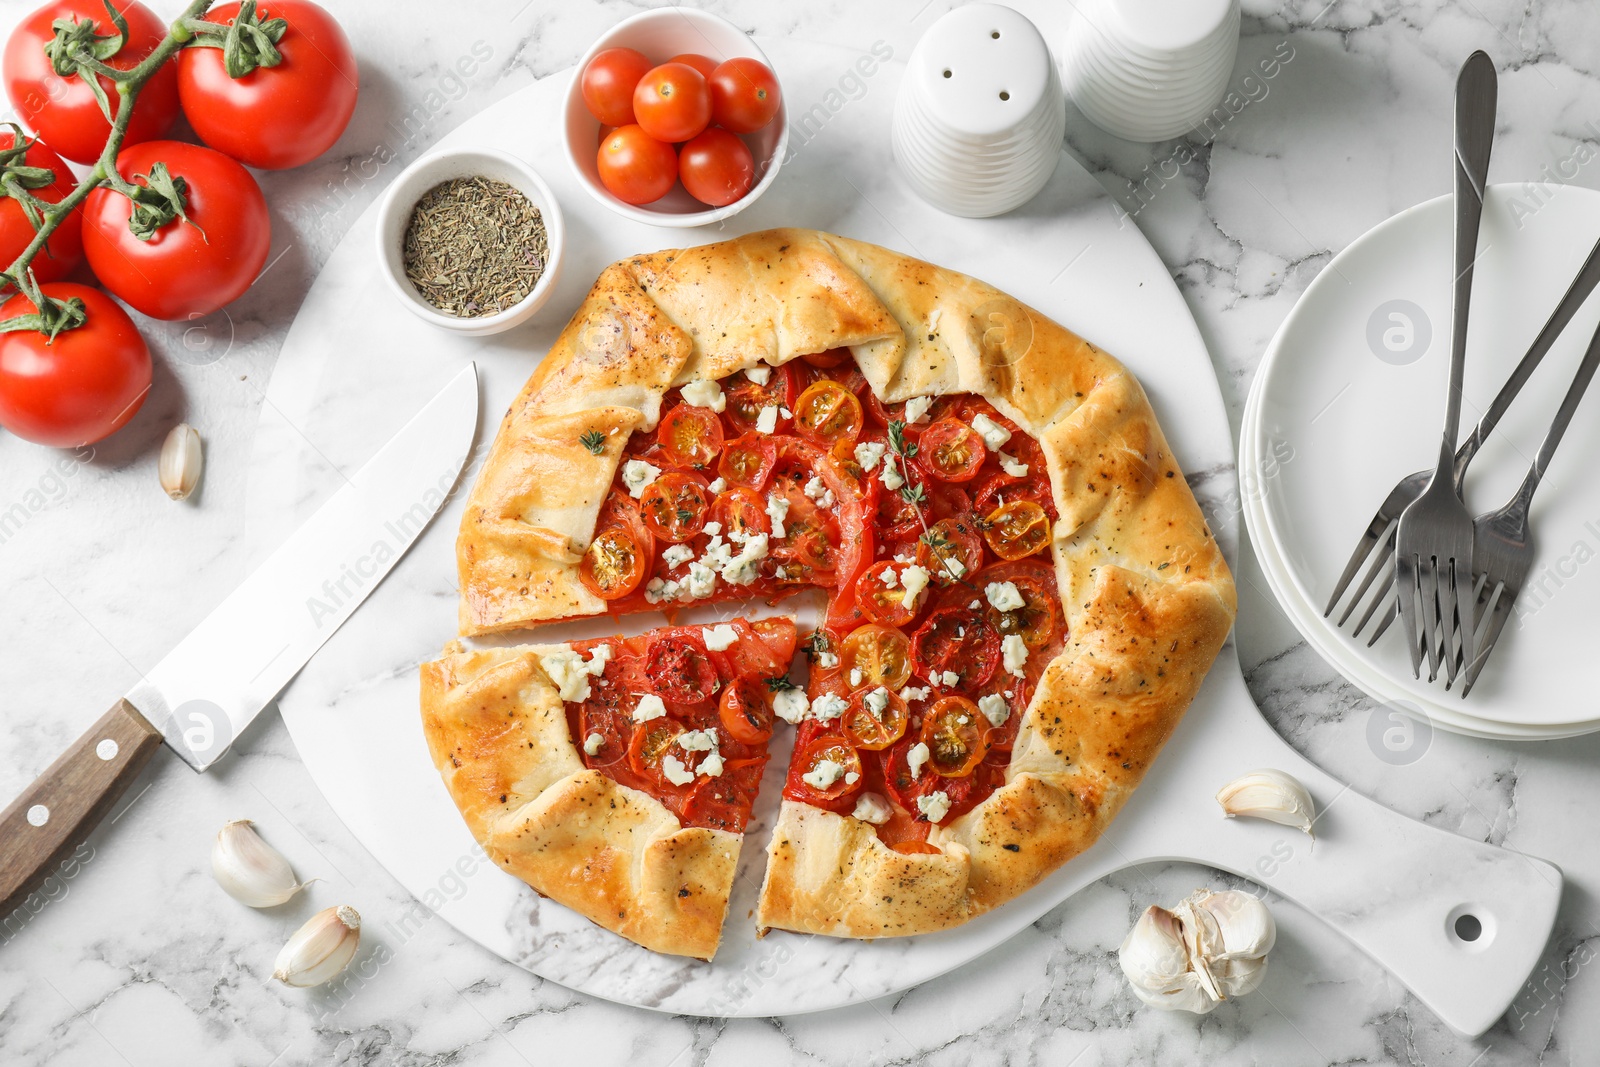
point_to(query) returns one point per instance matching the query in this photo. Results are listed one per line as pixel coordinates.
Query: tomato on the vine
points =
(672, 102)
(187, 268)
(608, 83)
(635, 167)
(716, 167)
(84, 385)
(64, 250)
(279, 116)
(63, 110)
(744, 95)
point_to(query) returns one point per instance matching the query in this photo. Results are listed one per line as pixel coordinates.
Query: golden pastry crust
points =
(1147, 596)
(497, 730)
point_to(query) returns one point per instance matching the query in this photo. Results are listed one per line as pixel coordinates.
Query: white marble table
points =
(140, 959)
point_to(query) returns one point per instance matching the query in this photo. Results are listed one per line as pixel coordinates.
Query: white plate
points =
(1352, 424)
(1319, 635)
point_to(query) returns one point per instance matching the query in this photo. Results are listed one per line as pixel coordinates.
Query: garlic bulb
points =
(1271, 795)
(180, 462)
(1208, 948)
(320, 949)
(250, 870)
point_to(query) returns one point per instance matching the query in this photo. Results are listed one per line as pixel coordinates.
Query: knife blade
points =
(208, 689)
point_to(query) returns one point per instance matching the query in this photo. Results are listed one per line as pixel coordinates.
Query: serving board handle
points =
(1462, 923)
(54, 815)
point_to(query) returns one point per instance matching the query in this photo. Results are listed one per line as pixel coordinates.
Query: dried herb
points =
(474, 246)
(594, 441)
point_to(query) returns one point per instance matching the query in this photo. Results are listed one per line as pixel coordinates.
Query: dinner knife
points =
(208, 689)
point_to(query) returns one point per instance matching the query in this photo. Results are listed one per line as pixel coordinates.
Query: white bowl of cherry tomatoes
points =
(675, 118)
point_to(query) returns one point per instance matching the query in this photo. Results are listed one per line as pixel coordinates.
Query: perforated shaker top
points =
(981, 70)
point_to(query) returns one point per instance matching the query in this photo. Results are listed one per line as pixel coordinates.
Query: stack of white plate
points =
(1349, 399)
(1147, 70)
(981, 113)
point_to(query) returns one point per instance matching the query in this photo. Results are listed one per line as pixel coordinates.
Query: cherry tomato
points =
(716, 167)
(898, 780)
(273, 117)
(679, 667)
(951, 549)
(741, 511)
(615, 730)
(953, 730)
(1002, 488)
(745, 709)
(1038, 621)
(704, 64)
(828, 414)
(780, 637)
(744, 95)
(875, 729)
(675, 506)
(748, 461)
(951, 450)
(957, 640)
(613, 564)
(690, 437)
(833, 357)
(186, 269)
(746, 401)
(898, 519)
(63, 110)
(83, 386)
(723, 802)
(608, 84)
(651, 744)
(809, 759)
(1017, 529)
(672, 102)
(881, 653)
(64, 251)
(635, 167)
(881, 602)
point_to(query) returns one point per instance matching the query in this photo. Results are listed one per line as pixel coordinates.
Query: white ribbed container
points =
(981, 113)
(1148, 70)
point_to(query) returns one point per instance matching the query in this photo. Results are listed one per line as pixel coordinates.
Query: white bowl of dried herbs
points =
(470, 240)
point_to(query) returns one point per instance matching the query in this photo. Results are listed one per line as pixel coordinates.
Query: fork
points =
(1502, 549)
(1377, 541)
(1433, 544)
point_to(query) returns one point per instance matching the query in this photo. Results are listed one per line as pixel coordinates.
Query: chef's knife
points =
(209, 688)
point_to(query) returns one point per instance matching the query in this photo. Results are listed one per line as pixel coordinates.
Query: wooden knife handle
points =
(56, 813)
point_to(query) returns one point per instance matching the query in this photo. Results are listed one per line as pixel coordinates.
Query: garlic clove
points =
(1239, 925)
(180, 462)
(250, 870)
(1157, 963)
(1271, 795)
(1235, 978)
(320, 949)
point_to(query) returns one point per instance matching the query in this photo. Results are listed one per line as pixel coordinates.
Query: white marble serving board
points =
(356, 365)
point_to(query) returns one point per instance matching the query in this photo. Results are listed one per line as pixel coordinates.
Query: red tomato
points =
(873, 729)
(716, 168)
(833, 357)
(680, 668)
(675, 506)
(960, 641)
(745, 709)
(723, 802)
(814, 757)
(828, 414)
(615, 730)
(613, 565)
(79, 388)
(748, 461)
(608, 84)
(672, 102)
(64, 250)
(953, 729)
(1017, 529)
(1038, 622)
(741, 511)
(884, 603)
(273, 117)
(63, 110)
(952, 450)
(744, 95)
(690, 437)
(704, 64)
(651, 744)
(1002, 488)
(635, 167)
(951, 549)
(186, 269)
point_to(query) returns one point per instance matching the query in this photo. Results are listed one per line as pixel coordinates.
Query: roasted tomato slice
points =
(745, 709)
(898, 780)
(951, 450)
(612, 727)
(690, 437)
(1038, 621)
(676, 506)
(833, 357)
(741, 511)
(826, 768)
(1017, 529)
(723, 802)
(881, 596)
(747, 399)
(652, 744)
(613, 564)
(881, 653)
(1002, 488)
(910, 847)
(748, 461)
(957, 640)
(951, 549)
(954, 729)
(679, 668)
(875, 719)
(828, 414)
